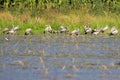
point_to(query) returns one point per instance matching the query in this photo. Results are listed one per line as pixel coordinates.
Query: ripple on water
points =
(64, 58)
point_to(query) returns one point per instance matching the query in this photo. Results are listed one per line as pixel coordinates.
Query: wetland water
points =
(59, 58)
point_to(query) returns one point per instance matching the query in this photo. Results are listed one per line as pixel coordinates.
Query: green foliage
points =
(71, 13)
(93, 6)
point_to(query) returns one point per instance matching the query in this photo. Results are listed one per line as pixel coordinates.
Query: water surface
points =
(51, 57)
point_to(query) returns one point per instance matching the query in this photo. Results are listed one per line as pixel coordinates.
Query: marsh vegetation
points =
(35, 14)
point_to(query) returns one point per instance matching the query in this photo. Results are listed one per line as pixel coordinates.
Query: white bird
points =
(113, 31)
(104, 29)
(15, 28)
(12, 32)
(48, 29)
(95, 31)
(28, 31)
(75, 32)
(63, 29)
(6, 31)
(87, 29)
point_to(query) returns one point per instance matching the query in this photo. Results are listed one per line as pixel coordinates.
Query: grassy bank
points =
(72, 19)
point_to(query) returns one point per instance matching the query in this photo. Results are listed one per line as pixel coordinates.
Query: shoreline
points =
(63, 35)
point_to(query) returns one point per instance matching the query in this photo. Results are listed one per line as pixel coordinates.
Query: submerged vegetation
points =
(35, 14)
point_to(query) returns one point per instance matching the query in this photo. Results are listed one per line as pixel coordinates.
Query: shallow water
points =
(51, 57)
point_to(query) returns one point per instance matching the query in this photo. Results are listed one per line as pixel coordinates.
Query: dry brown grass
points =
(6, 16)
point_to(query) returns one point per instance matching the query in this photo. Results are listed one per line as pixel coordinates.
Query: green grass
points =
(72, 20)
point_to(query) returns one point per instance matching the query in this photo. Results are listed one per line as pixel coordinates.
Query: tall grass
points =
(36, 14)
(73, 19)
